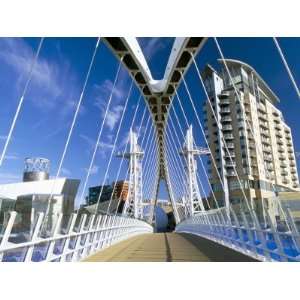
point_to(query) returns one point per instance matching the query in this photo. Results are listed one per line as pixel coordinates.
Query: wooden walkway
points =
(164, 247)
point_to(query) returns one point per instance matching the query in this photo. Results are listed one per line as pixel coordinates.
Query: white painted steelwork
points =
(243, 233)
(195, 202)
(134, 202)
(73, 243)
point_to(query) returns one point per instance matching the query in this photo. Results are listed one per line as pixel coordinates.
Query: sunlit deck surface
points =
(167, 247)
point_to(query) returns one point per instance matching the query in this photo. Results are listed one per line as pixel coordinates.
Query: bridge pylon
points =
(194, 202)
(134, 203)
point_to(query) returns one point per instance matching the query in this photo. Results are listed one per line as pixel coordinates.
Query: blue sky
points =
(49, 105)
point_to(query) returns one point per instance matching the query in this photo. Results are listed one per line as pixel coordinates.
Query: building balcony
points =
(283, 173)
(226, 127)
(262, 108)
(270, 167)
(279, 134)
(295, 185)
(267, 149)
(281, 157)
(266, 141)
(262, 117)
(294, 178)
(224, 95)
(228, 136)
(292, 164)
(280, 149)
(277, 126)
(251, 145)
(279, 141)
(226, 119)
(288, 137)
(285, 181)
(230, 173)
(268, 157)
(230, 154)
(230, 145)
(230, 164)
(290, 150)
(265, 133)
(283, 165)
(224, 102)
(293, 170)
(291, 157)
(276, 120)
(263, 125)
(289, 144)
(225, 110)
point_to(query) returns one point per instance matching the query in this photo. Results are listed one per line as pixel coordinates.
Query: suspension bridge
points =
(206, 229)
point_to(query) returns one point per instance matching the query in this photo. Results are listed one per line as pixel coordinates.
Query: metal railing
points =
(73, 243)
(244, 233)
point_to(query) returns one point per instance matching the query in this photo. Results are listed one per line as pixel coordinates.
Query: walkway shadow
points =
(216, 252)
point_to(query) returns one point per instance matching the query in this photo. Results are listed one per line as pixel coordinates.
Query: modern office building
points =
(119, 188)
(259, 142)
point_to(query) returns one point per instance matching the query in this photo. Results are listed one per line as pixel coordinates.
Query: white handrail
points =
(99, 233)
(264, 244)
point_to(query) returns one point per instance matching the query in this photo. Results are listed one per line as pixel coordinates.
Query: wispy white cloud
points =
(103, 147)
(102, 93)
(65, 171)
(53, 83)
(11, 157)
(94, 170)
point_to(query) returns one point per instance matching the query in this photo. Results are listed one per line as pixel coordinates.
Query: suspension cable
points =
(179, 144)
(202, 164)
(114, 146)
(151, 150)
(8, 138)
(72, 126)
(286, 66)
(127, 173)
(122, 159)
(150, 171)
(172, 166)
(182, 166)
(97, 144)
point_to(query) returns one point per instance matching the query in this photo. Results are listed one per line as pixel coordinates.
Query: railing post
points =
(67, 241)
(106, 231)
(34, 237)
(261, 235)
(295, 232)
(54, 234)
(86, 242)
(238, 227)
(276, 237)
(78, 238)
(7, 232)
(250, 236)
(102, 232)
(95, 240)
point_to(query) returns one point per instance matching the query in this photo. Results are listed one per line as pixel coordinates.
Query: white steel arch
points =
(158, 93)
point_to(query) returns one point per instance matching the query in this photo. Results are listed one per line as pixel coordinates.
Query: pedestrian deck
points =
(165, 247)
